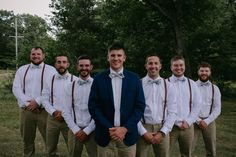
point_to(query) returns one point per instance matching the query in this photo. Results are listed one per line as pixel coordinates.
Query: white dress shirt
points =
(206, 92)
(59, 85)
(116, 89)
(183, 99)
(155, 100)
(32, 83)
(81, 95)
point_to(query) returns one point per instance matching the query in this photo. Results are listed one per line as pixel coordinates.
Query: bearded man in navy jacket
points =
(116, 104)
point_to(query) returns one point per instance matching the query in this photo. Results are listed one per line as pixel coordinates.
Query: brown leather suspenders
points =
(42, 75)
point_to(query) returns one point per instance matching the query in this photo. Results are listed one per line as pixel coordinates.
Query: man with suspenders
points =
(160, 112)
(76, 112)
(27, 88)
(53, 101)
(188, 107)
(210, 110)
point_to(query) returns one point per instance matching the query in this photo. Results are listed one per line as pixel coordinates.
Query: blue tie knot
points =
(113, 75)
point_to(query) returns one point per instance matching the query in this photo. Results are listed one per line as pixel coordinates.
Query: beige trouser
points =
(160, 150)
(76, 147)
(116, 149)
(29, 123)
(209, 137)
(54, 128)
(185, 139)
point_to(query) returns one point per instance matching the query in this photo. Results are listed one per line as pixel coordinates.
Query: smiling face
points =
(153, 66)
(178, 67)
(62, 64)
(204, 74)
(116, 59)
(84, 67)
(36, 56)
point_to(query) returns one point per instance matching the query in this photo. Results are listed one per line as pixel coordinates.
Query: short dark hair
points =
(62, 54)
(84, 57)
(38, 47)
(117, 45)
(204, 64)
(176, 57)
(151, 55)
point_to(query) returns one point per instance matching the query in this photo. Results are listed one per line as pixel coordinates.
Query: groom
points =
(116, 104)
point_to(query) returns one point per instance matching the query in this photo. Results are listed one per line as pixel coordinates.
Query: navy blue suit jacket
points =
(101, 106)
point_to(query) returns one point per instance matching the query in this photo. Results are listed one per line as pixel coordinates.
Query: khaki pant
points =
(209, 137)
(30, 121)
(116, 149)
(160, 150)
(184, 138)
(54, 128)
(76, 147)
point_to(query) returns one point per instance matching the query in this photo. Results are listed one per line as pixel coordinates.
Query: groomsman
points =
(27, 88)
(53, 101)
(76, 112)
(188, 107)
(210, 110)
(160, 112)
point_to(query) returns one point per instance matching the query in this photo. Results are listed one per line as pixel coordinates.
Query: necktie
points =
(60, 77)
(35, 66)
(113, 75)
(158, 81)
(180, 79)
(82, 82)
(204, 83)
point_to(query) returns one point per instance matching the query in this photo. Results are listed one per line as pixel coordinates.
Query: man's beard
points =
(37, 63)
(61, 72)
(84, 73)
(206, 78)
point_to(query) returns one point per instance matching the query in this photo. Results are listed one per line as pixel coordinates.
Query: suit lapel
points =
(109, 87)
(124, 88)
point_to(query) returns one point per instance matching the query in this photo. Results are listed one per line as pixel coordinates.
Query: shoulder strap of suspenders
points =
(73, 103)
(26, 71)
(212, 97)
(71, 78)
(190, 95)
(165, 101)
(42, 75)
(52, 83)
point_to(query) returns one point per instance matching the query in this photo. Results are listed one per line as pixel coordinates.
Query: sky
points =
(33, 7)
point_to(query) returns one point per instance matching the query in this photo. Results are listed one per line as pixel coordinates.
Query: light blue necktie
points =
(82, 82)
(113, 75)
(158, 81)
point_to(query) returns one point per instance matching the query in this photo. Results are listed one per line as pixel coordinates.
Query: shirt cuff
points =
(165, 130)
(88, 130)
(75, 129)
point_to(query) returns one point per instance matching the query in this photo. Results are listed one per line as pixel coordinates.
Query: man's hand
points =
(202, 125)
(81, 136)
(57, 116)
(117, 133)
(33, 106)
(184, 125)
(148, 137)
(158, 137)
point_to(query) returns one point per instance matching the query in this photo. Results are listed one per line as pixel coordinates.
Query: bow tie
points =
(158, 81)
(60, 77)
(113, 75)
(82, 82)
(35, 66)
(204, 83)
(180, 79)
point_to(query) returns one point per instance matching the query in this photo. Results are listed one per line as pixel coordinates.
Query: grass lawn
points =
(11, 144)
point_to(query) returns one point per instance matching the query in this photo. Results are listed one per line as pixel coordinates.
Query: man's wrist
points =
(162, 133)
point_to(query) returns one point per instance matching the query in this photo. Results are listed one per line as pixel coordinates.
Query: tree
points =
(7, 50)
